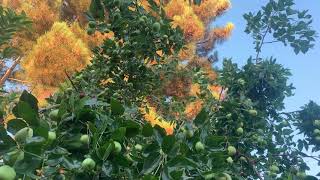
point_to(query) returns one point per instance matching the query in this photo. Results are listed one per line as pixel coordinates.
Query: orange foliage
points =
(42, 15)
(217, 35)
(154, 118)
(56, 52)
(209, 9)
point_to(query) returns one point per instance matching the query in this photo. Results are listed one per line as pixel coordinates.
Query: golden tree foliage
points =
(150, 114)
(209, 9)
(56, 52)
(194, 21)
(42, 15)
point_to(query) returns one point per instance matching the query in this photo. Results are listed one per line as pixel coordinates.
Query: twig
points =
(9, 71)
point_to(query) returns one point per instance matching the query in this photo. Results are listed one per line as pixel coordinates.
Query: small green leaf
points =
(116, 107)
(119, 134)
(168, 143)
(151, 163)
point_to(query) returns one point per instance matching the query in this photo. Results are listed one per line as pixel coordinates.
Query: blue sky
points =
(304, 67)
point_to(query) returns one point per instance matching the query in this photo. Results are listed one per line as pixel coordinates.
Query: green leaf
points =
(132, 128)
(25, 111)
(168, 143)
(116, 107)
(104, 151)
(30, 99)
(119, 134)
(147, 130)
(151, 163)
(15, 125)
(201, 118)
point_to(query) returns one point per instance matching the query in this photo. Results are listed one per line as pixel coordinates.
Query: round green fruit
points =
(54, 114)
(209, 176)
(92, 24)
(52, 136)
(316, 123)
(156, 27)
(285, 123)
(253, 112)
(117, 147)
(88, 164)
(316, 131)
(240, 131)
(188, 133)
(229, 160)
(227, 176)
(138, 147)
(90, 31)
(317, 138)
(142, 21)
(301, 175)
(84, 139)
(274, 168)
(229, 116)
(243, 159)
(231, 150)
(7, 173)
(199, 146)
(23, 134)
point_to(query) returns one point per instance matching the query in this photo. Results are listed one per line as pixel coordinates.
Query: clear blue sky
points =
(304, 67)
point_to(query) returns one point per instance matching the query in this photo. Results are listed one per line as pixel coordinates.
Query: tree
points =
(96, 130)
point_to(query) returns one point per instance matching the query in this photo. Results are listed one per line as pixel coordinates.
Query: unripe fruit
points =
(138, 147)
(243, 159)
(142, 21)
(301, 175)
(90, 31)
(7, 173)
(208, 176)
(88, 164)
(54, 114)
(274, 168)
(229, 116)
(227, 176)
(232, 150)
(92, 24)
(23, 134)
(188, 133)
(156, 27)
(253, 112)
(316, 131)
(117, 147)
(199, 146)
(316, 123)
(317, 139)
(285, 123)
(230, 160)
(52, 136)
(240, 131)
(84, 139)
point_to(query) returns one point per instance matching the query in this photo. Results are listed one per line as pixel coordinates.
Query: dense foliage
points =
(95, 127)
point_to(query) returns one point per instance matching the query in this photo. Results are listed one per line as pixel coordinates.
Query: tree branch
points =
(9, 71)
